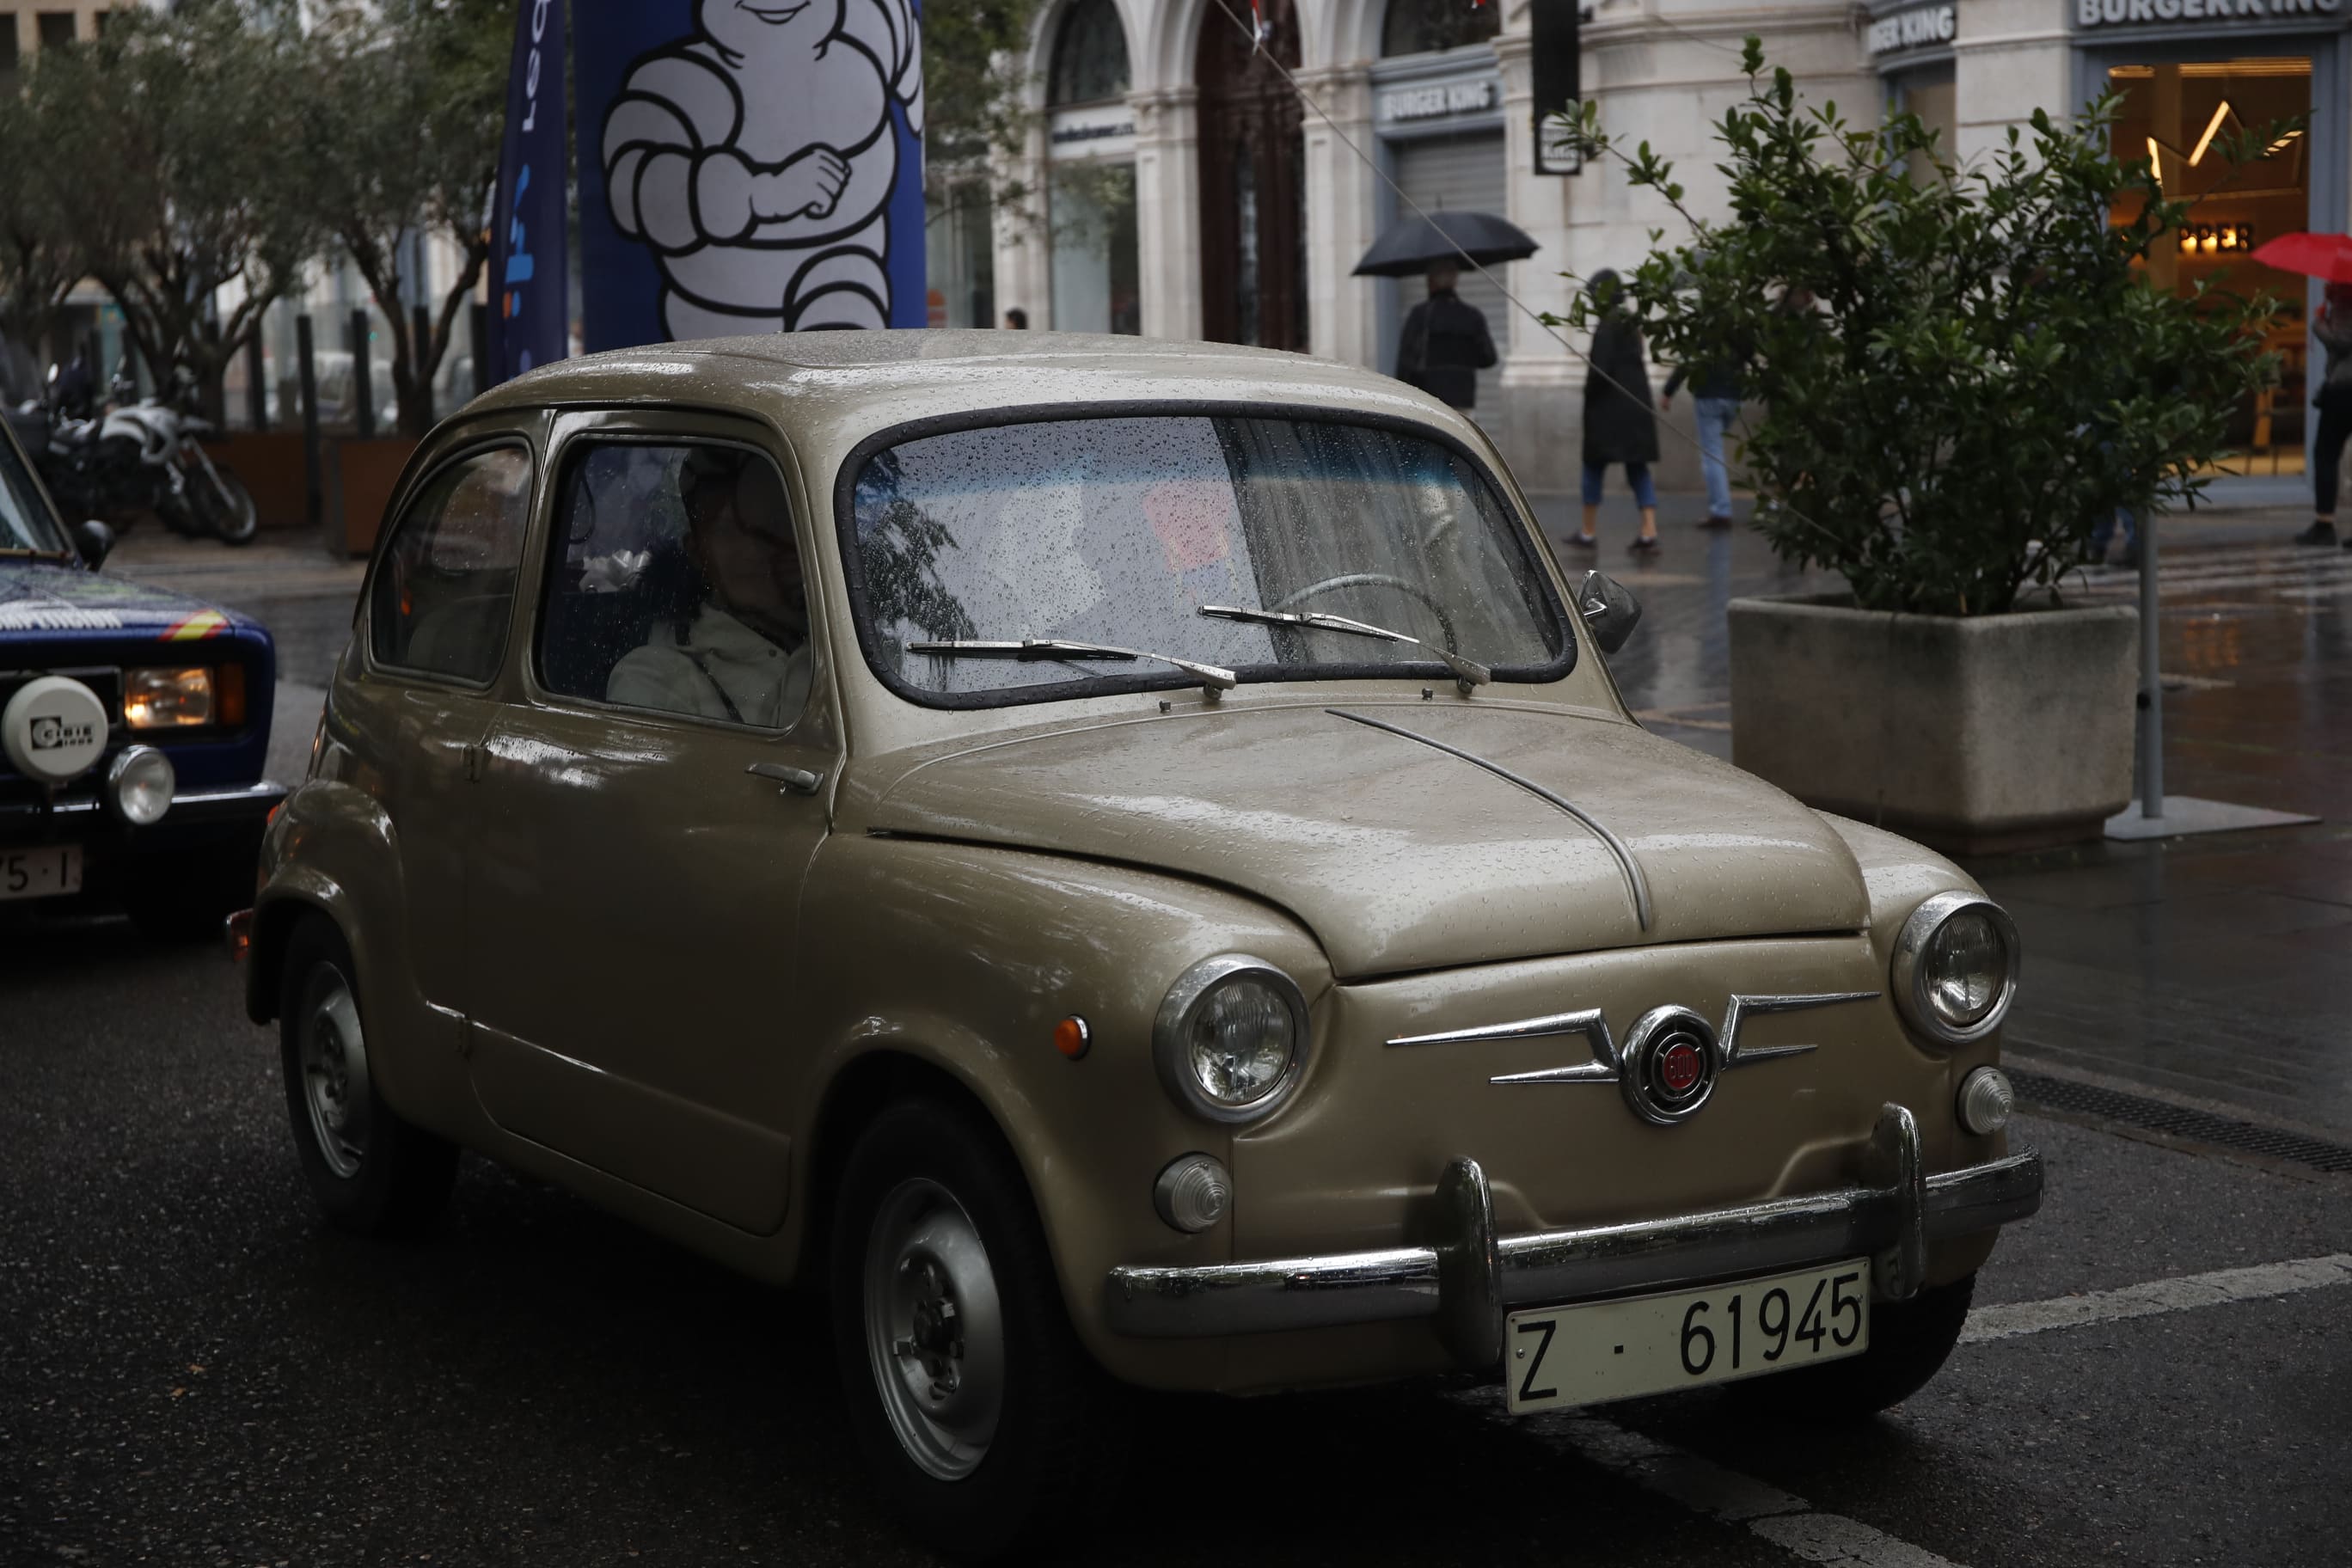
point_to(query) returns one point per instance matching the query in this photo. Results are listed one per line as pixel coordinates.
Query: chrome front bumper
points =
(1470, 1277)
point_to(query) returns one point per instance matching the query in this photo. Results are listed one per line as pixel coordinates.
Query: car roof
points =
(831, 390)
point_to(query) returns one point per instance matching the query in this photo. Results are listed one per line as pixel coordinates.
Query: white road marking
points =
(1785, 1520)
(2217, 1288)
(1794, 1525)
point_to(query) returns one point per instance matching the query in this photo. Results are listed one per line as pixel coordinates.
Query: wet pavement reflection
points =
(2216, 967)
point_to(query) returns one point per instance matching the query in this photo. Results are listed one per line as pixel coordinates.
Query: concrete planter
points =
(360, 476)
(1975, 735)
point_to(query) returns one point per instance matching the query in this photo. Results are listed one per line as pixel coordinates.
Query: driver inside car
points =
(739, 651)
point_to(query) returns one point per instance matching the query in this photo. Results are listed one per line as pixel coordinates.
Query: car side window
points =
(445, 592)
(678, 587)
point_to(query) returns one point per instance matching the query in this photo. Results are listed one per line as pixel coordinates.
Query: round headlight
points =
(1955, 969)
(1230, 1036)
(139, 784)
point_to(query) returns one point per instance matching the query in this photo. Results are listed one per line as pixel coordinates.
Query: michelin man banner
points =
(748, 166)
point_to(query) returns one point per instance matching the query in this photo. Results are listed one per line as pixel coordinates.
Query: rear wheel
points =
(1909, 1341)
(373, 1173)
(983, 1420)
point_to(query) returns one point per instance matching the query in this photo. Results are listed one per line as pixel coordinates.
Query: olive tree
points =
(39, 258)
(403, 106)
(1954, 371)
(977, 118)
(172, 139)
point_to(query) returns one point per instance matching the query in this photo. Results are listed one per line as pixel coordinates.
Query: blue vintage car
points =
(134, 727)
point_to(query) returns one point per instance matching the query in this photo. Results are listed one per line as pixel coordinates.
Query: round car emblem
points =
(1669, 1066)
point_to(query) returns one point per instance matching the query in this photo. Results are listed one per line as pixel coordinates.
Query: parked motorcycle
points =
(147, 456)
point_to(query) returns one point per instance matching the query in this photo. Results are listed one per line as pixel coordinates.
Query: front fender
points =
(333, 852)
(964, 957)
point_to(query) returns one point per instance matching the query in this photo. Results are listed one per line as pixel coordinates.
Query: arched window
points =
(1423, 27)
(1090, 56)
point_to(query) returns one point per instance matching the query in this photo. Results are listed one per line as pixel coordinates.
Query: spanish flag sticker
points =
(202, 623)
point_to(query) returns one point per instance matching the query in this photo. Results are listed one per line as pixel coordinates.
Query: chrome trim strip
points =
(1738, 1010)
(1607, 1063)
(1559, 1266)
(1616, 845)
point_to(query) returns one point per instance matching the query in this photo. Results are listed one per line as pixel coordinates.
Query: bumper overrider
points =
(1469, 1277)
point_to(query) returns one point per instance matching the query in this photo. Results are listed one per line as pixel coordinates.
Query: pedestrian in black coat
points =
(1445, 342)
(1621, 421)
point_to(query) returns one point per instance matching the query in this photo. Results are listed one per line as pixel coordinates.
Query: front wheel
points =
(983, 1420)
(1909, 1341)
(226, 507)
(373, 1173)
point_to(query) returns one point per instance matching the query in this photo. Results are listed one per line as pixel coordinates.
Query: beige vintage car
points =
(1124, 862)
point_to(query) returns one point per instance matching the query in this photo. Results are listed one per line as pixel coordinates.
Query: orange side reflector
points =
(1071, 1037)
(228, 695)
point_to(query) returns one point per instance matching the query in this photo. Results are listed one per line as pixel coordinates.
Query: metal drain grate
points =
(2179, 1122)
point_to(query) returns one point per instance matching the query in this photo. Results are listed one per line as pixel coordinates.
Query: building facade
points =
(1196, 184)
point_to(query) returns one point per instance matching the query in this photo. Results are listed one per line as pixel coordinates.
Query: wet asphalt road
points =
(195, 1370)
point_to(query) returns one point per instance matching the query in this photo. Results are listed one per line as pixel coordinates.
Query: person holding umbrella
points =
(2333, 327)
(2327, 257)
(1621, 425)
(1445, 342)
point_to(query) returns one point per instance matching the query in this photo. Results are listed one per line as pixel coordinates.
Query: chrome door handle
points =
(799, 781)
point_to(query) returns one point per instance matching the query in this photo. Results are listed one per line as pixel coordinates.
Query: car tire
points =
(989, 1429)
(1909, 1341)
(373, 1173)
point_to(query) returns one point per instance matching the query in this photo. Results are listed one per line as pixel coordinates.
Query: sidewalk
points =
(2215, 970)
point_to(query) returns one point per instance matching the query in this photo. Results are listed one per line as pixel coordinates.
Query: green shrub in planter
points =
(1953, 371)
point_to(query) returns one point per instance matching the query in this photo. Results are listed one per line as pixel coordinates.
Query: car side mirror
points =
(1609, 610)
(94, 542)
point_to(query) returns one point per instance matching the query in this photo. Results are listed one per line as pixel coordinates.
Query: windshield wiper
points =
(1216, 677)
(1468, 671)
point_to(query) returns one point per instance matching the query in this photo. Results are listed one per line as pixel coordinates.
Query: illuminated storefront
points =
(2194, 78)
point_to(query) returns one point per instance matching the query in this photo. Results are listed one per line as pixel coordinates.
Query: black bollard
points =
(420, 337)
(314, 489)
(257, 391)
(362, 380)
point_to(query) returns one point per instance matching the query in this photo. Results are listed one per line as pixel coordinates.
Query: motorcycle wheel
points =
(229, 512)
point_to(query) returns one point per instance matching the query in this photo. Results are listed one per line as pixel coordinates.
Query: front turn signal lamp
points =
(165, 698)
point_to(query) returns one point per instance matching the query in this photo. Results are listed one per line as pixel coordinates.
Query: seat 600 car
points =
(1124, 862)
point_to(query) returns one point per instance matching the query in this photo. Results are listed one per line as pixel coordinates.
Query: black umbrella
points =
(1412, 244)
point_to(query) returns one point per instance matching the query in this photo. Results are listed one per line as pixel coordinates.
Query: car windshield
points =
(1120, 530)
(25, 520)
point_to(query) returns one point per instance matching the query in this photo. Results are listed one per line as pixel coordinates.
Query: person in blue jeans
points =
(1619, 424)
(1715, 398)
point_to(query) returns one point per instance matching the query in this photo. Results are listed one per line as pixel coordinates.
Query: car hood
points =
(1413, 835)
(44, 595)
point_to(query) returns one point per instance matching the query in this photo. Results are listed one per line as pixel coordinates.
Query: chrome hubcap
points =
(334, 1071)
(934, 1329)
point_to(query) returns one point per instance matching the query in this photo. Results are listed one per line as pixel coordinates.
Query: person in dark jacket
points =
(1620, 424)
(1445, 342)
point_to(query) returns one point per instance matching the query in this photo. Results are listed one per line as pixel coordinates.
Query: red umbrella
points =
(2327, 255)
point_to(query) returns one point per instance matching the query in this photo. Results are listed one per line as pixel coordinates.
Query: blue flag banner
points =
(531, 318)
(749, 171)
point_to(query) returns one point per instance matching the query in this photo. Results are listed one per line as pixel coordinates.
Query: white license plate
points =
(40, 873)
(1555, 1356)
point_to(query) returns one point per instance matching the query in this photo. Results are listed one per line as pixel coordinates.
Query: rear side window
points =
(445, 592)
